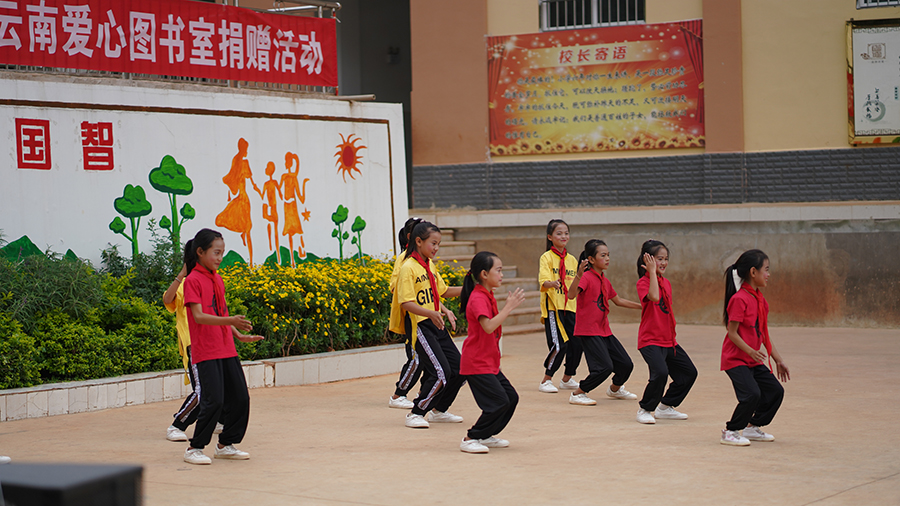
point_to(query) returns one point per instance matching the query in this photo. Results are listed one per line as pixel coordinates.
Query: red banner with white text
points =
(169, 37)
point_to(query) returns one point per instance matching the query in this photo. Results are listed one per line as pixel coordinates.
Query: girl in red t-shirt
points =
(480, 361)
(656, 339)
(603, 353)
(744, 351)
(213, 355)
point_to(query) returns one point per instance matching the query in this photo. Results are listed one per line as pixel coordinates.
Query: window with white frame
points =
(865, 4)
(568, 14)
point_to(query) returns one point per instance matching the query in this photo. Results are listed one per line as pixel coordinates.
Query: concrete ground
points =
(339, 443)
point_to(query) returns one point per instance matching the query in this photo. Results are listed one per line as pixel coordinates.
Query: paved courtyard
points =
(338, 443)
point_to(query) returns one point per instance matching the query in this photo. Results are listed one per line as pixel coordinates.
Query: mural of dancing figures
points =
(236, 216)
(293, 192)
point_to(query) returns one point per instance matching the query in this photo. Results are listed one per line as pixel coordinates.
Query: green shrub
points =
(18, 356)
(72, 350)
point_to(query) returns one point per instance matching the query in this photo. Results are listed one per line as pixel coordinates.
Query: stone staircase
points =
(524, 319)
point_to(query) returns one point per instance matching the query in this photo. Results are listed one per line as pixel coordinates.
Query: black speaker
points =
(71, 485)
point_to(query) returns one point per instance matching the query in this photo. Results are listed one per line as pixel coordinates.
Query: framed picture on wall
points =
(873, 81)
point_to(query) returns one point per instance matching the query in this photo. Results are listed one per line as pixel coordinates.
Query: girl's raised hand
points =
(241, 323)
(250, 339)
(650, 263)
(514, 298)
(583, 266)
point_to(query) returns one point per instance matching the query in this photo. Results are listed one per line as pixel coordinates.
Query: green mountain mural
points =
(286, 260)
(232, 258)
(20, 248)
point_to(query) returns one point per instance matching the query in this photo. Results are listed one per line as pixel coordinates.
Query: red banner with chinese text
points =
(169, 37)
(601, 89)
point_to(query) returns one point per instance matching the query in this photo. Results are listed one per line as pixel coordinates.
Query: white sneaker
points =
(438, 417)
(669, 413)
(621, 393)
(494, 442)
(415, 421)
(547, 387)
(644, 416)
(173, 433)
(473, 446)
(400, 402)
(219, 428)
(568, 385)
(754, 433)
(733, 438)
(196, 456)
(231, 453)
(581, 399)
(4, 459)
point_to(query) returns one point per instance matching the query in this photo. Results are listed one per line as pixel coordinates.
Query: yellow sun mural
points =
(348, 158)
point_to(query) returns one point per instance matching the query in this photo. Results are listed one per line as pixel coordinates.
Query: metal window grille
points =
(568, 14)
(866, 4)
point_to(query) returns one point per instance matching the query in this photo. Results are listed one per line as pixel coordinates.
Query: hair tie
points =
(737, 278)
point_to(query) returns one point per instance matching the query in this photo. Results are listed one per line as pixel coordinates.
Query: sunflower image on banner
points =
(600, 89)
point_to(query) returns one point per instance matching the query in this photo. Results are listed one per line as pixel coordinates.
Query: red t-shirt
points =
(480, 350)
(657, 320)
(208, 342)
(593, 305)
(743, 308)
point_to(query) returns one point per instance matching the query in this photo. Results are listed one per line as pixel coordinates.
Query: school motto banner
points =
(169, 37)
(601, 89)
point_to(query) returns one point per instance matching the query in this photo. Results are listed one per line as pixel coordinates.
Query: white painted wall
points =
(67, 207)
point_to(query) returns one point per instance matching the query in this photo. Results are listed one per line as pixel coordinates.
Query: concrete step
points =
(523, 316)
(512, 282)
(532, 297)
(457, 248)
(447, 234)
(530, 328)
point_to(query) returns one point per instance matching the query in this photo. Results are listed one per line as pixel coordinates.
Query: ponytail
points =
(738, 272)
(421, 230)
(407, 230)
(203, 240)
(483, 261)
(590, 250)
(652, 246)
(551, 227)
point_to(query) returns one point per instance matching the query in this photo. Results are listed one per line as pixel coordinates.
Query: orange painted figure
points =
(236, 216)
(271, 188)
(292, 193)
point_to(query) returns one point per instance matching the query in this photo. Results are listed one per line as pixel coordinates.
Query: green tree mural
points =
(132, 205)
(358, 226)
(170, 178)
(339, 217)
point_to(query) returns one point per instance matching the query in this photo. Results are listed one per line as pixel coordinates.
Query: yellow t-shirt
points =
(181, 323)
(395, 324)
(413, 286)
(553, 299)
(398, 261)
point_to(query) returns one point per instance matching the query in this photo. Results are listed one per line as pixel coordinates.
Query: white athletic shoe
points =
(494, 442)
(447, 417)
(568, 385)
(231, 453)
(581, 399)
(754, 433)
(196, 456)
(644, 416)
(400, 402)
(669, 413)
(173, 433)
(415, 421)
(733, 438)
(219, 428)
(547, 387)
(472, 446)
(621, 393)
(4, 459)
